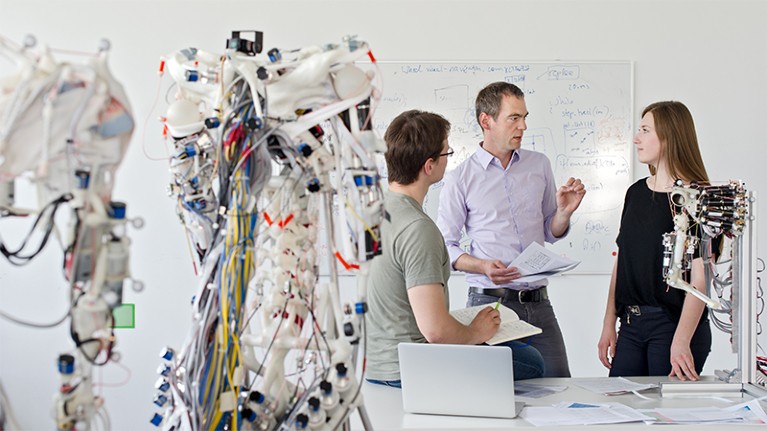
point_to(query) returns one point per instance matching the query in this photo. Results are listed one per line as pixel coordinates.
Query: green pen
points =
(497, 304)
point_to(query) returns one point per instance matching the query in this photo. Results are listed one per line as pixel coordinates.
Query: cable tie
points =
(343, 262)
(287, 220)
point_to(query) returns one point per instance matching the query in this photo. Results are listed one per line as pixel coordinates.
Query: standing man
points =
(407, 287)
(506, 199)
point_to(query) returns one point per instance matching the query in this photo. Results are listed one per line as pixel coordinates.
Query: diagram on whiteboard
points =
(581, 117)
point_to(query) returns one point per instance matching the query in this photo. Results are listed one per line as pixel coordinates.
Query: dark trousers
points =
(550, 343)
(644, 345)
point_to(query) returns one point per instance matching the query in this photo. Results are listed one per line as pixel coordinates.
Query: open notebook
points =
(511, 327)
(458, 380)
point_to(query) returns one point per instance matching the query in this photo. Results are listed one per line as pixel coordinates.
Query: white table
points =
(384, 408)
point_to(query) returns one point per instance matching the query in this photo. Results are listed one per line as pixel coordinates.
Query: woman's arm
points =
(682, 361)
(608, 339)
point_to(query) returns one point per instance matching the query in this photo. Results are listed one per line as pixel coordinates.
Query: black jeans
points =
(644, 345)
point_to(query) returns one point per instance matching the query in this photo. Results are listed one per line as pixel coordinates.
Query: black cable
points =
(79, 343)
(16, 257)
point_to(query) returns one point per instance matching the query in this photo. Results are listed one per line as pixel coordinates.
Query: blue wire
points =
(192, 210)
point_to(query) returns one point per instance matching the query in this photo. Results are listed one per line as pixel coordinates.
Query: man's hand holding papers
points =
(536, 263)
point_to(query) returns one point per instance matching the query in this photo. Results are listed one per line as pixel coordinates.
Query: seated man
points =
(407, 287)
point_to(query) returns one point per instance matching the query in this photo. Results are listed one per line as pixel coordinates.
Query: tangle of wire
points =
(215, 348)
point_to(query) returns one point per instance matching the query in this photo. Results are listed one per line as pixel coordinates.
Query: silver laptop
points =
(458, 380)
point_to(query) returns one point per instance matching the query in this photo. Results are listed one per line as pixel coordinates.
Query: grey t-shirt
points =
(414, 254)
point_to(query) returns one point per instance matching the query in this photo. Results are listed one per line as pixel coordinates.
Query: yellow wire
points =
(216, 418)
(367, 228)
(214, 371)
(236, 272)
(232, 278)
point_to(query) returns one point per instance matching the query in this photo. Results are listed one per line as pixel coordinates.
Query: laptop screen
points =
(462, 380)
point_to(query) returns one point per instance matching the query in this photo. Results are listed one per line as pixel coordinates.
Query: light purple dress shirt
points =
(503, 210)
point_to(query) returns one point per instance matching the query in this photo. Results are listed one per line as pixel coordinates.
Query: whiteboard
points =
(581, 117)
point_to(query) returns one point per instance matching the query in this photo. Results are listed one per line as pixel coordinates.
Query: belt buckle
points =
(519, 297)
(635, 310)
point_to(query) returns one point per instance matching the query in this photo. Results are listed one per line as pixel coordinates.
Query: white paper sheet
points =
(612, 385)
(531, 390)
(582, 414)
(536, 262)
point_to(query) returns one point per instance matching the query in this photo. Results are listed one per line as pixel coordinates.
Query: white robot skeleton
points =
(264, 148)
(65, 128)
(705, 213)
(714, 210)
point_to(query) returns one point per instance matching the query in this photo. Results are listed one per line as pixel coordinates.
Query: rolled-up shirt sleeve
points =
(550, 206)
(451, 216)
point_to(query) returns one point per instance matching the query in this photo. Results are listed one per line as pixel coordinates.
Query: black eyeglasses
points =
(449, 153)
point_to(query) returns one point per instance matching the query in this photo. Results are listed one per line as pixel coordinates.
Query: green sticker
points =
(124, 316)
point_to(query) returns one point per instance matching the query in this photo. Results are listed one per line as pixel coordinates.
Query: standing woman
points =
(663, 330)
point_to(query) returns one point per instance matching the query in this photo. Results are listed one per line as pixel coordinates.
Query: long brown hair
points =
(679, 142)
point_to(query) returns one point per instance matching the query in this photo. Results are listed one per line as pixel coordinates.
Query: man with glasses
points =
(505, 198)
(408, 284)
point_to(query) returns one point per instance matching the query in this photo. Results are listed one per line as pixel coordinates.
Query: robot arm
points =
(717, 210)
(677, 258)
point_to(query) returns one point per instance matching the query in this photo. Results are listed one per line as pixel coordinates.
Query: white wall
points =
(712, 55)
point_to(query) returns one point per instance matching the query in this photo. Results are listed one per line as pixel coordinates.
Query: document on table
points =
(582, 414)
(752, 410)
(536, 263)
(698, 415)
(532, 390)
(612, 385)
(750, 413)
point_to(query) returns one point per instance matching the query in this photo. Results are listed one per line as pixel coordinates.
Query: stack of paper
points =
(612, 385)
(582, 414)
(746, 413)
(536, 263)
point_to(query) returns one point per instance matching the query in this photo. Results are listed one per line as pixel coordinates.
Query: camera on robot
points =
(246, 46)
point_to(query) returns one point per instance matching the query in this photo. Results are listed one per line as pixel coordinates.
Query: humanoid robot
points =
(271, 154)
(64, 129)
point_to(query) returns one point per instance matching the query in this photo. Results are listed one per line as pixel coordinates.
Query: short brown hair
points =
(489, 98)
(412, 138)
